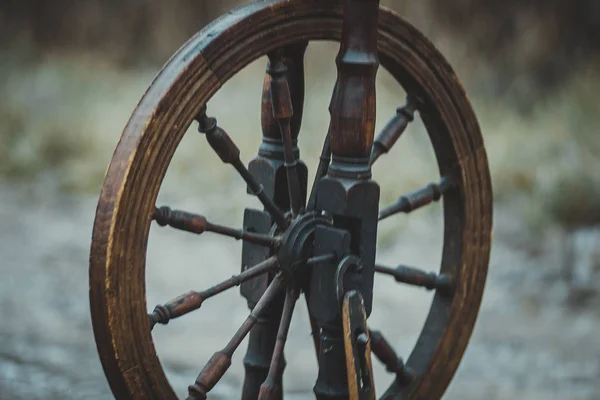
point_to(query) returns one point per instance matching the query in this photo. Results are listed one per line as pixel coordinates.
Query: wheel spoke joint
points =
(192, 300)
(416, 199)
(416, 277)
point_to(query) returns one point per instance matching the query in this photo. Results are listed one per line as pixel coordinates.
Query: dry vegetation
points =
(69, 92)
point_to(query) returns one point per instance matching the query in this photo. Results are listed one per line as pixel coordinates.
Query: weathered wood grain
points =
(189, 79)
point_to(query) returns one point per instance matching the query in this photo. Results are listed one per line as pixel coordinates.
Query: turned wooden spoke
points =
(218, 364)
(271, 389)
(417, 199)
(199, 224)
(393, 129)
(229, 153)
(321, 258)
(388, 357)
(417, 277)
(359, 367)
(191, 301)
(324, 160)
(283, 112)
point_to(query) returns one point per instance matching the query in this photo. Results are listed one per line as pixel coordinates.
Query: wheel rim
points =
(189, 80)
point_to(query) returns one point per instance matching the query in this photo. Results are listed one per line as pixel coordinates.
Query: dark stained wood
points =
(392, 131)
(229, 153)
(271, 389)
(221, 360)
(283, 111)
(198, 224)
(186, 83)
(417, 277)
(383, 350)
(359, 368)
(417, 198)
(349, 195)
(352, 106)
(281, 117)
(293, 58)
(192, 300)
(324, 160)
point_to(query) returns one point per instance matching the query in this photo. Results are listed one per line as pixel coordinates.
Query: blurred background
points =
(71, 74)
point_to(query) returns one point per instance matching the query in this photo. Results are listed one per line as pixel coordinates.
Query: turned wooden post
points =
(347, 192)
(352, 106)
(284, 71)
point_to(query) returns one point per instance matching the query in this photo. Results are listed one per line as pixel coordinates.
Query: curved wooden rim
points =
(188, 80)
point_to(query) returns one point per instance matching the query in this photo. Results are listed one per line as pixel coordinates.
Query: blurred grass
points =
(546, 161)
(62, 117)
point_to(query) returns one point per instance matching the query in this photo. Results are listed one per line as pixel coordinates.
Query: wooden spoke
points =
(218, 364)
(353, 102)
(191, 301)
(229, 153)
(199, 224)
(416, 277)
(321, 258)
(271, 389)
(278, 167)
(324, 160)
(392, 131)
(388, 357)
(417, 199)
(283, 112)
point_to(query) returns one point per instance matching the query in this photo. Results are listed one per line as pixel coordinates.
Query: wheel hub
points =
(298, 240)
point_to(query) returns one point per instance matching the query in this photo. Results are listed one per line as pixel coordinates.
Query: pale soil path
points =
(47, 349)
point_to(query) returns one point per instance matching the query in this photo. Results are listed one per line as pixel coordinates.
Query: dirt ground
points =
(521, 349)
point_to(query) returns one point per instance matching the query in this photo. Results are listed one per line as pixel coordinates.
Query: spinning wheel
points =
(319, 242)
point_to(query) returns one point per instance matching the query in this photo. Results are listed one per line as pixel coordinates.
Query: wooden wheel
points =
(281, 242)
